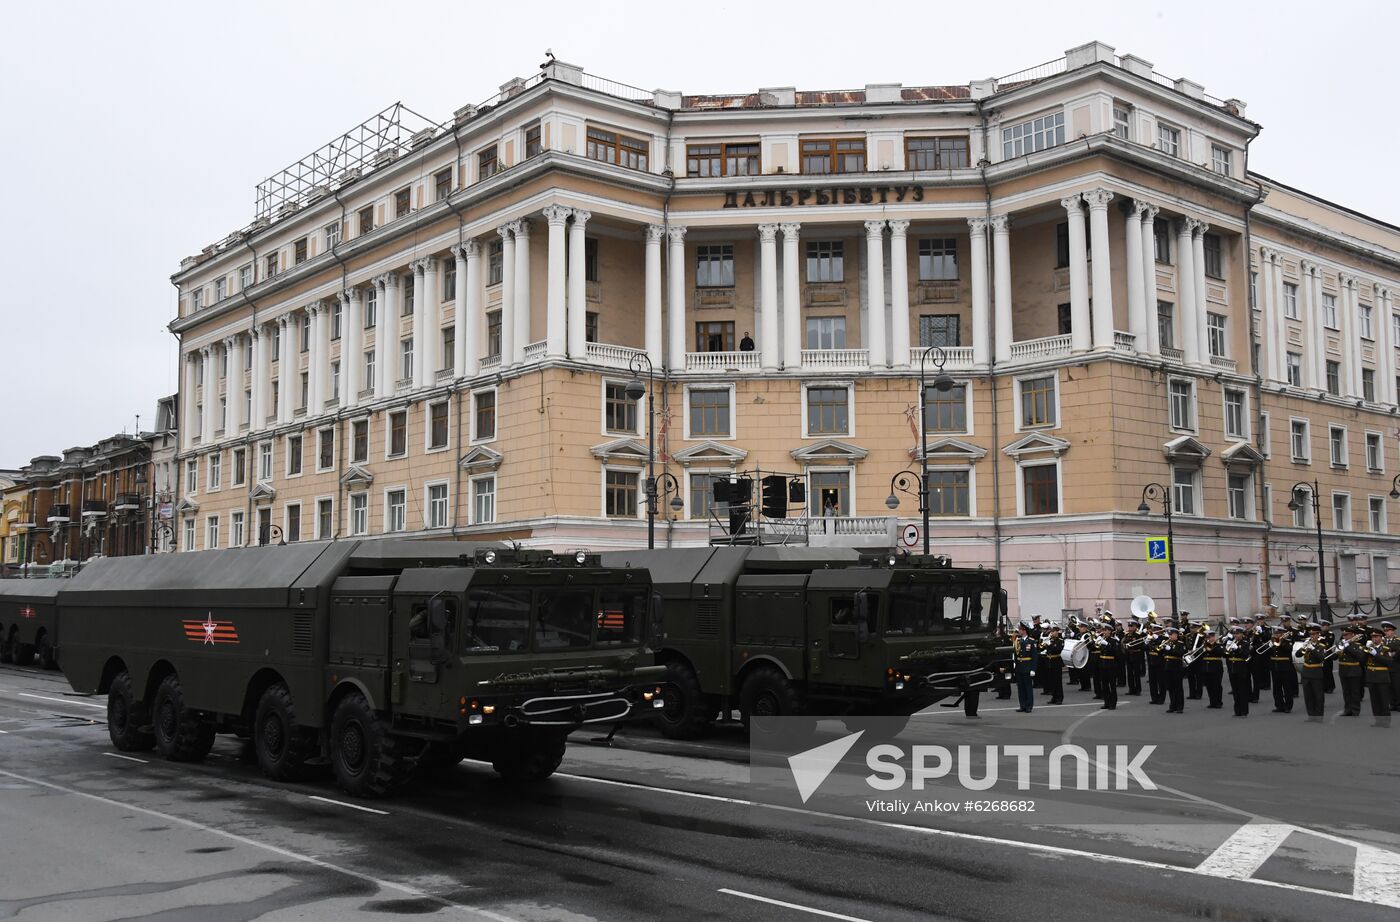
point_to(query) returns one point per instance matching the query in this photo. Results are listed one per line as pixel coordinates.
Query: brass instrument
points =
(1198, 646)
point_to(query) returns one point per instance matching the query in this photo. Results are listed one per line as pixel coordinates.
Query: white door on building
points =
(1242, 596)
(1346, 578)
(1380, 576)
(1193, 595)
(1042, 593)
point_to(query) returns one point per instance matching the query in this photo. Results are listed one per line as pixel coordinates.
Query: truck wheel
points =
(125, 717)
(529, 755)
(687, 714)
(48, 658)
(24, 654)
(182, 734)
(367, 759)
(768, 693)
(281, 744)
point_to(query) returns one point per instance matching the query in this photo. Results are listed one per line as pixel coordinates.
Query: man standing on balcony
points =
(746, 344)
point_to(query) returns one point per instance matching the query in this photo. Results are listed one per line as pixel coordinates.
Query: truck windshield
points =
(922, 609)
(498, 621)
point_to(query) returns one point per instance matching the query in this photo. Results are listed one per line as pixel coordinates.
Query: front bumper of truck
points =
(569, 698)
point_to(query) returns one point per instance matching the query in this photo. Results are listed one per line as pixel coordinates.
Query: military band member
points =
(1351, 669)
(1213, 669)
(1329, 681)
(1257, 637)
(1027, 654)
(1134, 655)
(1194, 637)
(1313, 654)
(1380, 664)
(1392, 642)
(1109, 655)
(1089, 675)
(1237, 663)
(1280, 654)
(1156, 668)
(1051, 648)
(1173, 650)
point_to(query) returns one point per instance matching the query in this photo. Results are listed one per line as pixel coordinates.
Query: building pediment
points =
(187, 506)
(949, 449)
(262, 493)
(481, 458)
(1242, 454)
(357, 476)
(708, 452)
(1186, 450)
(621, 450)
(829, 450)
(1037, 443)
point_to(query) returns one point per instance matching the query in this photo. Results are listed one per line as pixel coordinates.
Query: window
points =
(709, 412)
(1184, 490)
(211, 532)
(1254, 290)
(1334, 375)
(1037, 134)
(1374, 459)
(833, 155)
(702, 495)
(449, 348)
(332, 232)
(825, 261)
(299, 251)
(1363, 314)
(220, 289)
(325, 449)
(1221, 159)
(1237, 495)
(533, 147)
(493, 334)
(292, 533)
(590, 326)
(236, 536)
(495, 260)
(240, 466)
(486, 163)
(1377, 517)
(305, 389)
(949, 492)
(828, 411)
(1215, 334)
(1395, 329)
(1368, 385)
(938, 259)
(829, 492)
(369, 370)
(437, 425)
(611, 147)
(245, 277)
(1040, 484)
(714, 336)
(1329, 311)
(403, 202)
(620, 494)
(449, 280)
(366, 220)
(293, 455)
(722, 160)
(484, 500)
(1037, 401)
(1166, 328)
(325, 519)
(1162, 241)
(304, 326)
(590, 260)
(1302, 501)
(371, 307)
(395, 510)
(406, 359)
(484, 416)
(619, 411)
(192, 475)
(1337, 440)
(1298, 441)
(437, 505)
(826, 332)
(1182, 399)
(1121, 126)
(1169, 140)
(247, 407)
(940, 330)
(1290, 300)
(1214, 264)
(714, 266)
(1341, 511)
(1236, 426)
(1062, 245)
(1294, 364)
(410, 296)
(398, 433)
(359, 513)
(359, 441)
(335, 381)
(935, 154)
(265, 461)
(216, 470)
(271, 265)
(189, 534)
(1264, 435)
(946, 411)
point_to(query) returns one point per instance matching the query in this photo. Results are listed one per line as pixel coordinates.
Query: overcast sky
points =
(135, 133)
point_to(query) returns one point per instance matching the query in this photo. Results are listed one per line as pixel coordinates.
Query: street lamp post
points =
(942, 382)
(1324, 610)
(1159, 494)
(640, 362)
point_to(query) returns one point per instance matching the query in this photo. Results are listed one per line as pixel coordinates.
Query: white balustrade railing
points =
(1220, 361)
(722, 361)
(534, 351)
(835, 358)
(1171, 354)
(491, 361)
(610, 355)
(1047, 347)
(959, 358)
(1124, 342)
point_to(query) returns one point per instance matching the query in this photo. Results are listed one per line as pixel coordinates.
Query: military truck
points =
(29, 622)
(375, 655)
(775, 631)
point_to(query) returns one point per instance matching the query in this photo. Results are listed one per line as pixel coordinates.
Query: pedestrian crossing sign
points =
(1158, 551)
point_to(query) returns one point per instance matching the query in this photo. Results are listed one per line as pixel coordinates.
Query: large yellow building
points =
(431, 329)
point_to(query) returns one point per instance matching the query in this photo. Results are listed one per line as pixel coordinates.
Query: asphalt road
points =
(1267, 818)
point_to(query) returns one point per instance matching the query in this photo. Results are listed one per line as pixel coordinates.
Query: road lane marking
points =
(118, 755)
(799, 908)
(4, 732)
(1044, 708)
(274, 849)
(341, 803)
(86, 704)
(1246, 850)
(1377, 876)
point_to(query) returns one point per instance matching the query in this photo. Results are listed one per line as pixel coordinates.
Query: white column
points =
(386, 343)
(507, 294)
(1186, 293)
(1386, 390)
(1137, 305)
(1001, 283)
(233, 385)
(421, 375)
(468, 310)
(981, 308)
(432, 320)
(1272, 364)
(768, 296)
(1098, 200)
(1354, 296)
(1149, 278)
(1198, 265)
(1309, 310)
(189, 425)
(652, 317)
(319, 358)
(1280, 329)
(792, 298)
(578, 287)
(873, 336)
(522, 290)
(556, 316)
(287, 377)
(206, 422)
(899, 293)
(256, 378)
(1080, 338)
(352, 346)
(675, 305)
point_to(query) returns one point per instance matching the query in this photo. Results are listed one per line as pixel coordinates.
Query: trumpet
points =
(1264, 647)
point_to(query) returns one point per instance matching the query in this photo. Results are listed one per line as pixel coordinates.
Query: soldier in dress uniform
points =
(1051, 647)
(1213, 669)
(1329, 680)
(1193, 636)
(1089, 675)
(1392, 642)
(1313, 654)
(1280, 654)
(1237, 664)
(1172, 650)
(1260, 672)
(1351, 669)
(1156, 675)
(1134, 655)
(1027, 654)
(1109, 656)
(1380, 665)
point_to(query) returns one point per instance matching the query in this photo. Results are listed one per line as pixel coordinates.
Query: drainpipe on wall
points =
(992, 369)
(666, 372)
(1258, 387)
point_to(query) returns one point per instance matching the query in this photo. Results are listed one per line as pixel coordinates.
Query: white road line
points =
(799, 908)
(118, 755)
(85, 704)
(1377, 876)
(341, 803)
(1044, 708)
(1245, 852)
(4, 732)
(254, 843)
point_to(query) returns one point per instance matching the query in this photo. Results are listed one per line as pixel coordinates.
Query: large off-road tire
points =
(48, 656)
(768, 693)
(688, 712)
(529, 755)
(23, 654)
(282, 745)
(367, 759)
(126, 719)
(182, 734)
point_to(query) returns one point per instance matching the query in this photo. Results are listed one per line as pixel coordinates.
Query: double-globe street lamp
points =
(900, 482)
(635, 391)
(1157, 493)
(1297, 502)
